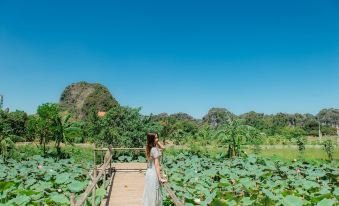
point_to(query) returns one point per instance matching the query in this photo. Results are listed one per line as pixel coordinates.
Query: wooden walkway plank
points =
(130, 166)
(127, 186)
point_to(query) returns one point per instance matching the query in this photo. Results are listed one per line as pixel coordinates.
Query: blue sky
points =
(174, 56)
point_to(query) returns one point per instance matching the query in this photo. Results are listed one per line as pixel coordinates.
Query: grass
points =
(85, 153)
(275, 152)
(81, 153)
(78, 153)
(292, 153)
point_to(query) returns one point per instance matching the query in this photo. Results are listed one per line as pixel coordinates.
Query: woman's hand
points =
(162, 181)
(160, 145)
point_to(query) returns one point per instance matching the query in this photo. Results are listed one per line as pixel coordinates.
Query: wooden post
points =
(110, 167)
(91, 187)
(176, 201)
(104, 180)
(94, 163)
(94, 189)
(102, 156)
(94, 177)
(72, 199)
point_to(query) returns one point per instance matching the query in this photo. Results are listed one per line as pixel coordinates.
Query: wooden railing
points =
(95, 179)
(167, 187)
(174, 198)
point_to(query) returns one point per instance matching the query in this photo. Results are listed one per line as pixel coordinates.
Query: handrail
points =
(92, 186)
(172, 195)
(94, 183)
(120, 148)
(166, 185)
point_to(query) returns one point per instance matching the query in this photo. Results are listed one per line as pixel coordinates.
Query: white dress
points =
(152, 190)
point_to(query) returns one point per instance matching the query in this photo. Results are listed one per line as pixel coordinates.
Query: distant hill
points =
(82, 97)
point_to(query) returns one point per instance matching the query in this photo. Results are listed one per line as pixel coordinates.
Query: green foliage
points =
(182, 129)
(80, 154)
(311, 127)
(48, 125)
(301, 144)
(126, 127)
(182, 116)
(280, 120)
(292, 132)
(257, 148)
(218, 116)
(7, 147)
(80, 99)
(204, 137)
(65, 131)
(256, 120)
(235, 134)
(329, 116)
(328, 147)
(44, 125)
(122, 127)
(12, 129)
(41, 181)
(177, 127)
(249, 181)
(13, 125)
(328, 130)
(100, 99)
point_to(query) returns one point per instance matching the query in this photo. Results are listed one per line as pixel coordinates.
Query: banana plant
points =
(6, 146)
(235, 134)
(65, 131)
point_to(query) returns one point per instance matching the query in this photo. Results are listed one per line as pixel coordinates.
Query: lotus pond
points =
(42, 181)
(199, 179)
(250, 181)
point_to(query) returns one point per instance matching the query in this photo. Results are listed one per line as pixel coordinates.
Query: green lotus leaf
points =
(247, 183)
(100, 192)
(60, 199)
(20, 200)
(62, 178)
(76, 186)
(30, 182)
(326, 202)
(310, 184)
(218, 202)
(291, 200)
(336, 191)
(5, 185)
(247, 201)
(41, 186)
(231, 203)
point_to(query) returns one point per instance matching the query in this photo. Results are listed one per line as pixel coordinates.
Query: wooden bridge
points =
(123, 182)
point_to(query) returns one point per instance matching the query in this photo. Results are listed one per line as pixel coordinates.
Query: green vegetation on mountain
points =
(81, 98)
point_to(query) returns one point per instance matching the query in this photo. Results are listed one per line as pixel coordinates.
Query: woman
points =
(152, 192)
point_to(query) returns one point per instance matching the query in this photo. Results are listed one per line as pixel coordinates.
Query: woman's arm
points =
(157, 168)
(160, 145)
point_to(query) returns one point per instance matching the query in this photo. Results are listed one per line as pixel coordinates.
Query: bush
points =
(328, 147)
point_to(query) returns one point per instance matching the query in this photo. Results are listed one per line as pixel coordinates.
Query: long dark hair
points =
(150, 143)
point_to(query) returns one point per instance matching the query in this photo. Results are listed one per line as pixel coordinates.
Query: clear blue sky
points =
(174, 56)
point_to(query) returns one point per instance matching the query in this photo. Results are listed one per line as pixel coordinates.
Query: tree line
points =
(124, 126)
